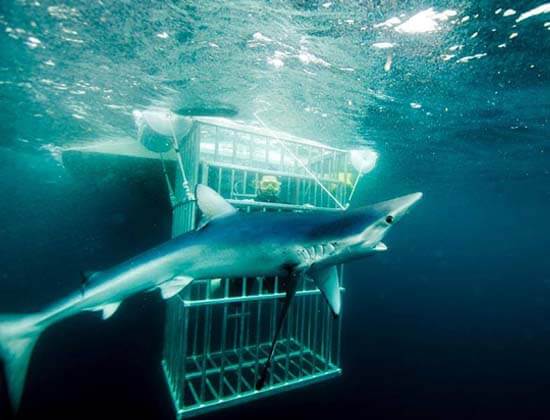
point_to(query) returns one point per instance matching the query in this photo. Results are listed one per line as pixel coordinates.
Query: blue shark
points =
(229, 243)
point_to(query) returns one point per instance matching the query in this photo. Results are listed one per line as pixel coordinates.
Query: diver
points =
(269, 189)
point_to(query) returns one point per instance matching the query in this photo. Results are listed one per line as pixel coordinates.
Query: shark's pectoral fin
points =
(380, 247)
(326, 279)
(108, 309)
(174, 286)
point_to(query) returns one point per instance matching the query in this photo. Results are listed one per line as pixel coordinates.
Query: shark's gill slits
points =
(314, 253)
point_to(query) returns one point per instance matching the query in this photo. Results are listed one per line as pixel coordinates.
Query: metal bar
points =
(288, 326)
(326, 336)
(302, 334)
(232, 183)
(179, 355)
(194, 393)
(274, 316)
(315, 325)
(219, 189)
(258, 325)
(265, 171)
(233, 152)
(255, 395)
(212, 390)
(196, 291)
(235, 366)
(205, 342)
(241, 335)
(182, 369)
(263, 205)
(168, 341)
(249, 298)
(266, 132)
(323, 332)
(309, 322)
(339, 339)
(216, 143)
(224, 337)
(197, 365)
(231, 389)
(248, 386)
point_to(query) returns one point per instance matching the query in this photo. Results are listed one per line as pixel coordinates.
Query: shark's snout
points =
(394, 209)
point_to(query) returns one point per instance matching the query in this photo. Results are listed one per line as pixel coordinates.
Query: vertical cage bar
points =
(223, 339)
(258, 335)
(327, 338)
(182, 382)
(315, 330)
(323, 333)
(302, 334)
(274, 318)
(241, 337)
(205, 339)
(288, 328)
(339, 339)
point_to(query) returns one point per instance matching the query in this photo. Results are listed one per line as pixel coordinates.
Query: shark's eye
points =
(389, 219)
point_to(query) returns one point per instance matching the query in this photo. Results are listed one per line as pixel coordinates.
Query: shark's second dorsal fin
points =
(211, 203)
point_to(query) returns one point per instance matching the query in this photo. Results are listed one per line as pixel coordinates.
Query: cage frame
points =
(180, 373)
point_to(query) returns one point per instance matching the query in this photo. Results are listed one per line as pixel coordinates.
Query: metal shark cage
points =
(218, 331)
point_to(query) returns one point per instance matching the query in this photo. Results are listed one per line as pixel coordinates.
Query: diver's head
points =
(269, 186)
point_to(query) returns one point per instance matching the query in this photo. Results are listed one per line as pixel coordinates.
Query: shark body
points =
(231, 244)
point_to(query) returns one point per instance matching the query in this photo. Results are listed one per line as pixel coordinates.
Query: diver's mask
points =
(270, 186)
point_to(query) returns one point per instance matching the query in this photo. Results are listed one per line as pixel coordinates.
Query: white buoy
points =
(160, 131)
(363, 160)
(158, 128)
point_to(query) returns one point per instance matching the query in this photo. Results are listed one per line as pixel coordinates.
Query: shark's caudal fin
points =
(18, 335)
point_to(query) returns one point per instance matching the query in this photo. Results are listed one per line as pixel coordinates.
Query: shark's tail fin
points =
(18, 335)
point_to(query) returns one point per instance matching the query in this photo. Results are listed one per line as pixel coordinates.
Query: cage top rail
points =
(263, 132)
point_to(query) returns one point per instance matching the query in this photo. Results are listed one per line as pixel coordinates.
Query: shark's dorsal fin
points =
(211, 203)
(86, 276)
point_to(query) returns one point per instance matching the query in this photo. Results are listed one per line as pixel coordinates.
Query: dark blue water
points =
(452, 322)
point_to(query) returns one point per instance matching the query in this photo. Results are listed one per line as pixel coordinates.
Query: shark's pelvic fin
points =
(174, 286)
(326, 280)
(211, 203)
(18, 335)
(108, 309)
